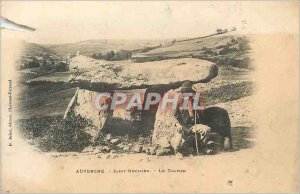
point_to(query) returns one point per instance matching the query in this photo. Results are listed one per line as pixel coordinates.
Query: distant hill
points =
(34, 49)
(226, 49)
(37, 60)
(101, 46)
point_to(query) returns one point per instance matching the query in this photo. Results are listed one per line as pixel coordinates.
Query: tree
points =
(109, 55)
(113, 56)
(219, 31)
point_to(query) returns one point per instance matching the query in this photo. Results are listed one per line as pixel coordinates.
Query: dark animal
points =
(218, 120)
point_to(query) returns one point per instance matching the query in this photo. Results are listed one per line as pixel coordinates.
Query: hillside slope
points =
(228, 50)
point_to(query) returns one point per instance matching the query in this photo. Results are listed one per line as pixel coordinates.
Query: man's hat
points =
(186, 86)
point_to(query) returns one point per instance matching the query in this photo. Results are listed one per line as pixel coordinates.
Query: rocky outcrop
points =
(168, 132)
(117, 122)
(82, 105)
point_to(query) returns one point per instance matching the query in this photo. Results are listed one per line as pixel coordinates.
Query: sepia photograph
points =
(149, 96)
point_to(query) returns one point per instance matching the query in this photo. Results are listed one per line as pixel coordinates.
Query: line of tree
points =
(113, 56)
(222, 31)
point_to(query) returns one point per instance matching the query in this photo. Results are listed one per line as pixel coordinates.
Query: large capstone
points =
(101, 75)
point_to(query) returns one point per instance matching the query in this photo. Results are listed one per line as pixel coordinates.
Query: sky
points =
(72, 21)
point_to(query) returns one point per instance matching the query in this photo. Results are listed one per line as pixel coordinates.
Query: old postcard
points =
(149, 96)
